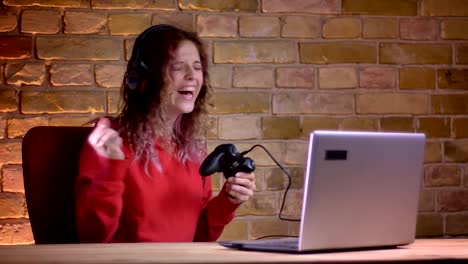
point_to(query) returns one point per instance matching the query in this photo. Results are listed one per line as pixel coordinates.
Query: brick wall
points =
(280, 69)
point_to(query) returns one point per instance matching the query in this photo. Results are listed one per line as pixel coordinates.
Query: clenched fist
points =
(106, 141)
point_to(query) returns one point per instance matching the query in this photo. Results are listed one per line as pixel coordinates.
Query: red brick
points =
(109, 75)
(231, 103)
(300, 27)
(450, 104)
(292, 77)
(377, 77)
(17, 127)
(435, 127)
(342, 27)
(11, 205)
(128, 23)
(429, 225)
(54, 102)
(456, 151)
(85, 23)
(259, 26)
(417, 78)
(266, 51)
(179, 19)
(293, 205)
(220, 76)
(457, 224)
(276, 179)
(71, 121)
(253, 77)
(461, 54)
(48, 3)
(2, 127)
(228, 127)
(280, 127)
(338, 52)
(393, 103)
(426, 200)
(312, 103)
(71, 75)
(25, 73)
(359, 123)
(8, 101)
(10, 153)
(217, 26)
(381, 7)
(75, 48)
(15, 47)
(452, 200)
(410, 53)
(337, 78)
(300, 6)
(419, 29)
(310, 124)
(454, 29)
(214, 5)
(397, 124)
(296, 153)
(259, 204)
(442, 175)
(265, 227)
(14, 232)
(141, 4)
(13, 178)
(235, 230)
(375, 28)
(444, 8)
(7, 22)
(432, 152)
(41, 21)
(460, 127)
(453, 79)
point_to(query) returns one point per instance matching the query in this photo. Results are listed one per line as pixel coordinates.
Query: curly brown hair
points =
(142, 108)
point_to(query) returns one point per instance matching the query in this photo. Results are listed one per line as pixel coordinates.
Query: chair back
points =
(50, 168)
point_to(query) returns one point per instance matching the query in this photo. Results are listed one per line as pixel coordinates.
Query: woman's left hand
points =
(241, 187)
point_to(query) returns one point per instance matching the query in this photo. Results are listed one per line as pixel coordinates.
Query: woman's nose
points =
(189, 73)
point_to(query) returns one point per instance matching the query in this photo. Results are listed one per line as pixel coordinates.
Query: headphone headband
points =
(133, 76)
(137, 62)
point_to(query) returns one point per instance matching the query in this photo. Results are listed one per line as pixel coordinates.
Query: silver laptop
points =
(361, 190)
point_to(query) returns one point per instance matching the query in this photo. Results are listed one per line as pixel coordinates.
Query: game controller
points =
(226, 159)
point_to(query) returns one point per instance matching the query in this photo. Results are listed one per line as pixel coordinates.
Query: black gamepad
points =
(226, 159)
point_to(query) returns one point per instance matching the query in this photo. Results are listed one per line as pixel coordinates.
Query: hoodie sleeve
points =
(99, 195)
(217, 212)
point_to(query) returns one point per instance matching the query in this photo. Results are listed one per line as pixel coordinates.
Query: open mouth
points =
(186, 93)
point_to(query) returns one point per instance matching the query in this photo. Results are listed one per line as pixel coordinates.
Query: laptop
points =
(361, 190)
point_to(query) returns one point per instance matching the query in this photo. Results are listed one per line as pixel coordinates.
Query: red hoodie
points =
(117, 202)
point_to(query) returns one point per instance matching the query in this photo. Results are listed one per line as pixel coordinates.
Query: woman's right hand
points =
(106, 141)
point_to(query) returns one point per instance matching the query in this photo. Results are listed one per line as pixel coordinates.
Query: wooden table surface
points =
(422, 251)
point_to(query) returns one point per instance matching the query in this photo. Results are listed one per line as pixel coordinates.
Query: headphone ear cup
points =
(133, 80)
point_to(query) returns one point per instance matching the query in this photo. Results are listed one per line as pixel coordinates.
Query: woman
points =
(139, 177)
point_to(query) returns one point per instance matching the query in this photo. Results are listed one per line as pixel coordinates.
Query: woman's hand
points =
(106, 141)
(241, 187)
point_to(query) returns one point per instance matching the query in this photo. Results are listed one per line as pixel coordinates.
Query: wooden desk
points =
(424, 250)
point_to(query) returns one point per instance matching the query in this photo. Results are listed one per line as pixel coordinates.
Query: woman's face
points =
(185, 80)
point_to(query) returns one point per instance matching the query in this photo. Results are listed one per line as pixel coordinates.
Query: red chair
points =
(50, 168)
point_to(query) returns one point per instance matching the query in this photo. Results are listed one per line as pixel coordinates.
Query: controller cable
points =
(287, 174)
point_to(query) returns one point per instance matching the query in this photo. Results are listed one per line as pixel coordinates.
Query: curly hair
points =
(142, 120)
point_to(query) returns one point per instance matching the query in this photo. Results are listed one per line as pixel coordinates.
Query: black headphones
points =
(137, 72)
